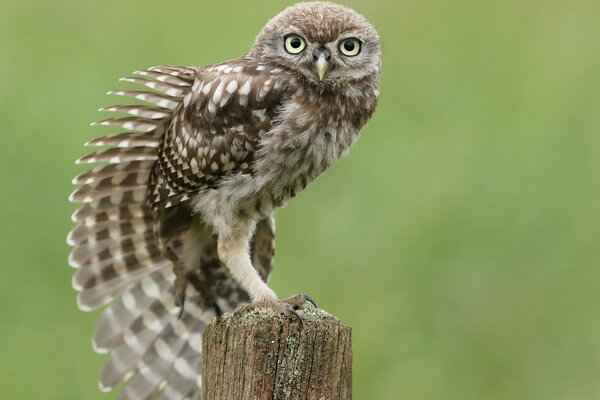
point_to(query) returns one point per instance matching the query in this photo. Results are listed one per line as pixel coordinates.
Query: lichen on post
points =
(263, 354)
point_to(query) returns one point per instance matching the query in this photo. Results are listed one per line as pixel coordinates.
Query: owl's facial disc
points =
(321, 61)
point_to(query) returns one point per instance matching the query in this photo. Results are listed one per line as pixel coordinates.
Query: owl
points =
(177, 224)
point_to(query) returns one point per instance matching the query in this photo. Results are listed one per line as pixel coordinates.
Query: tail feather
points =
(137, 338)
(157, 362)
(184, 379)
(130, 305)
(184, 385)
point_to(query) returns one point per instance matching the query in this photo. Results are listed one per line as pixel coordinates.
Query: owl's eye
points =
(350, 47)
(294, 44)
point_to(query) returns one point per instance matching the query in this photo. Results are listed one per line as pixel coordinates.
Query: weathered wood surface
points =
(266, 355)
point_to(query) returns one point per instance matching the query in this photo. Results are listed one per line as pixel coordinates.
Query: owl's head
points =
(325, 42)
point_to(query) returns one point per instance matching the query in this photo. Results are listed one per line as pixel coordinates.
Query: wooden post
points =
(266, 355)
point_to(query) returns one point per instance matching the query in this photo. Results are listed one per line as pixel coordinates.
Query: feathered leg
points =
(234, 251)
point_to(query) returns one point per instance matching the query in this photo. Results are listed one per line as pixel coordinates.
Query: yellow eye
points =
(350, 47)
(294, 44)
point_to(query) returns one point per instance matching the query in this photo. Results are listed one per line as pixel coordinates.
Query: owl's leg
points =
(181, 280)
(234, 251)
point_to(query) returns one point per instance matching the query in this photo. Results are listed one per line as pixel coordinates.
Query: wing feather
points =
(213, 116)
(121, 314)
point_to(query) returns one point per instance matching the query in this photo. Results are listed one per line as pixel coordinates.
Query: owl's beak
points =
(321, 59)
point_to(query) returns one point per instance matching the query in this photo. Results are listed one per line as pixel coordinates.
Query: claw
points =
(289, 308)
(180, 302)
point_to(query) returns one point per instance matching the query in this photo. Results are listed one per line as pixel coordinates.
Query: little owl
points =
(177, 225)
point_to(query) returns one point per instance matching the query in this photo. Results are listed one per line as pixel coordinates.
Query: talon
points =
(181, 304)
(310, 300)
(289, 308)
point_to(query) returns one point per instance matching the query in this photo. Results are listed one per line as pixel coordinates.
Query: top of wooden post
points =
(266, 354)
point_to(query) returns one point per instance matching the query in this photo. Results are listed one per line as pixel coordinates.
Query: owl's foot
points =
(289, 306)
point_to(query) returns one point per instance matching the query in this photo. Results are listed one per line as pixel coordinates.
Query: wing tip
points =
(98, 348)
(81, 305)
(73, 196)
(104, 388)
(73, 263)
(79, 287)
(71, 238)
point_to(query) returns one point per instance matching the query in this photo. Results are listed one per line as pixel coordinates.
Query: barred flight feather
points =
(139, 111)
(126, 140)
(179, 386)
(126, 308)
(90, 215)
(115, 249)
(104, 292)
(84, 255)
(116, 199)
(112, 170)
(161, 77)
(138, 124)
(89, 193)
(164, 101)
(109, 230)
(165, 87)
(118, 155)
(157, 363)
(137, 339)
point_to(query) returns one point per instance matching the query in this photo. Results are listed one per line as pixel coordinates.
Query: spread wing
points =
(216, 129)
(115, 252)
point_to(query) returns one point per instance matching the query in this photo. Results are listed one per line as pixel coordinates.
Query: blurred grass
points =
(460, 239)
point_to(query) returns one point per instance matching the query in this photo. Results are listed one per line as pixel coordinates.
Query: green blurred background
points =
(460, 239)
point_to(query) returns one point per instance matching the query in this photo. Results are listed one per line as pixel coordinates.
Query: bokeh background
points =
(460, 238)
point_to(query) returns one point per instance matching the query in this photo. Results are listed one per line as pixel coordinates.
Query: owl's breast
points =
(306, 138)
